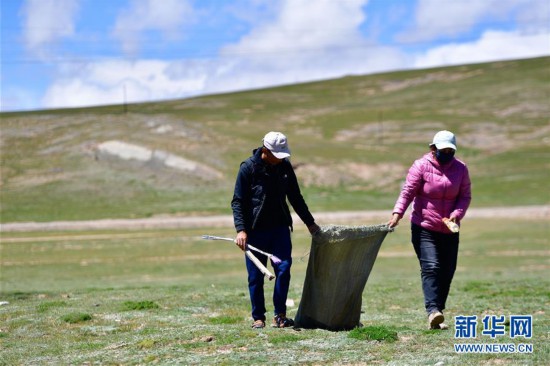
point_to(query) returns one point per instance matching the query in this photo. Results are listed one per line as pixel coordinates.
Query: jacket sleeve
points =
(297, 200)
(464, 196)
(241, 198)
(410, 189)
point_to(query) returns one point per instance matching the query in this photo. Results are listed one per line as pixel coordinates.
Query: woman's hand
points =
(394, 221)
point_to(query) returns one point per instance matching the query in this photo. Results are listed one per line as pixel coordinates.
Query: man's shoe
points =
(281, 321)
(258, 324)
(435, 319)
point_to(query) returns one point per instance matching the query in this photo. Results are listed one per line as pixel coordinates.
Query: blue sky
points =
(72, 53)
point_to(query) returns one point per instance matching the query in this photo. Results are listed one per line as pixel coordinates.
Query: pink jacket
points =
(437, 191)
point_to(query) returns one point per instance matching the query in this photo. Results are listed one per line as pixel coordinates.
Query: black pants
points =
(437, 254)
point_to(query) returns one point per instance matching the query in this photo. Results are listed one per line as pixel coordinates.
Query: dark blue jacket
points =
(253, 186)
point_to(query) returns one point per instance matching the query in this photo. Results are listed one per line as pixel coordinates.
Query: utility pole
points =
(381, 126)
(124, 96)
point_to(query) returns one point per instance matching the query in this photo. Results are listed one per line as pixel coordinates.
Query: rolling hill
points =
(353, 140)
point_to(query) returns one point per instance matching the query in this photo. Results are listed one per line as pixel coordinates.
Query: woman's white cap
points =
(444, 140)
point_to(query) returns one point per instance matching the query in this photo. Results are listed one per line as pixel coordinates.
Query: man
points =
(262, 218)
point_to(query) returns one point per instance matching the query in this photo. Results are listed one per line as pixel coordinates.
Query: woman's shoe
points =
(435, 319)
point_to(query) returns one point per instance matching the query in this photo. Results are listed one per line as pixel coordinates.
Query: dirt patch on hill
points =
(389, 133)
(122, 151)
(496, 137)
(493, 137)
(369, 176)
(37, 178)
(443, 76)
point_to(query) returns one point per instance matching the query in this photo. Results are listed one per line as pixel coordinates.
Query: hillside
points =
(352, 139)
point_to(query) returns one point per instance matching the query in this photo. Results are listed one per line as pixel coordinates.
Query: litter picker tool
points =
(250, 256)
(273, 258)
(259, 264)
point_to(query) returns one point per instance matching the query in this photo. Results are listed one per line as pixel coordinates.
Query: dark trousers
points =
(277, 242)
(437, 254)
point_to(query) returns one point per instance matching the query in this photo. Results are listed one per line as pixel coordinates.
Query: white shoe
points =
(435, 319)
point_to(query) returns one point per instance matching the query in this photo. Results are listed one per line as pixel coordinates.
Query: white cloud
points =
(435, 19)
(114, 82)
(277, 69)
(305, 42)
(491, 46)
(47, 21)
(301, 43)
(301, 26)
(166, 16)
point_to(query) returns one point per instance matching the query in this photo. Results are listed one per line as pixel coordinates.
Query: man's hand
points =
(241, 240)
(314, 229)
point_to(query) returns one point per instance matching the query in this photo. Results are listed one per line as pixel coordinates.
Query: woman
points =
(438, 185)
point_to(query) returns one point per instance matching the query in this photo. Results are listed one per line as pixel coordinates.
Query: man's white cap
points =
(276, 143)
(444, 140)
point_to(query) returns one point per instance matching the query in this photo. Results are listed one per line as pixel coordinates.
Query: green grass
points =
(74, 318)
(498, 110)
(45, 306)
(169, 297)
(139, 305)
(374, 333)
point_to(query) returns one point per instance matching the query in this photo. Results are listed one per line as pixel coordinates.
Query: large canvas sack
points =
(340, 261)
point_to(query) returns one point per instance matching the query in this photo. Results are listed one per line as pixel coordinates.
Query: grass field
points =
(168, 297)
